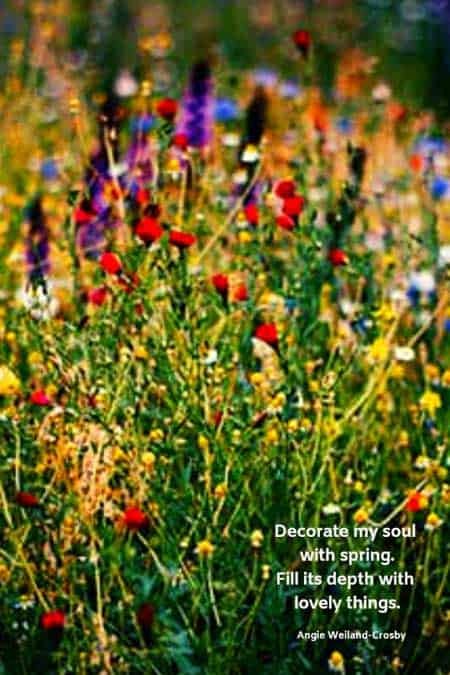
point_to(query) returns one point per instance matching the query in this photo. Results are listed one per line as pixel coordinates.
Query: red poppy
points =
(220, 283)
(252, 214)
(240, 293)
(397, 112)
(110, 263)
(135, 519)
(285, 222)
(82, 217)
(302, 40)
(55, 619)
(97, 296)
(181, 239)
(39, 397)
(293, 206)
(27, 500)
(285, 188)
(180, 141)
(148, 230)
(337, 257)
(267, 332)
(417, 163)
(145, 615)
(415, 502)
(167, 108)
(217, 417)
(142, 196)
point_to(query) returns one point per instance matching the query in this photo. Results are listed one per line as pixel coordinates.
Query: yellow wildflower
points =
(431, 372)
(220, 491)
(379, 349)
(265, 570)
(203, 442)
(446, 378)
(430, 402)
(361, 516)
(9, 383)
(244, 237)
(148, 460)
(432, 522)
(140, 352)
(156, 435)
(204, 548)
(256, 538)
(336, 662)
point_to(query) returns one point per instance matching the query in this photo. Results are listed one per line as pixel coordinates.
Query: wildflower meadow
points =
(224, 304)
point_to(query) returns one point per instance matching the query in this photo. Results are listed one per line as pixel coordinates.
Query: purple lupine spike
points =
(37, 247)
(197, 108)
(92, 218)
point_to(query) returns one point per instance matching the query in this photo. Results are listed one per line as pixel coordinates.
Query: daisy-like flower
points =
(336, 662)
(404, 354)
(433, 522)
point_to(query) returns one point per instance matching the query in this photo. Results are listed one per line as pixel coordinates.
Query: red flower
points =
(81, 216)
(143, 196)
(110, 263)
(285, 188)
(240, 293)
(417, 163)
(252, 214)
(267, 332)
(53, 620)
(302, 40)
(97, 296)
(135, 519)
(293, 206)
(27, 500)
(217, 417)
(148, 230)
(416, 502)
(285, 222)
(39, 397)
(220, 283)
(337, 257)
(167, 108)
(145, 615)
(180, 141)
(181, 239)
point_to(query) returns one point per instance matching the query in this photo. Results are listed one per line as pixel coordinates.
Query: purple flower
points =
(197, 108)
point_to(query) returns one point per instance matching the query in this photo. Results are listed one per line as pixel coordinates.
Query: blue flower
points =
(142, 124)
(344, 125)
(439, 187)
(265, 77)
(430, 146)
(49, 169)
(290, 304)
(289, 89)
(225, 110)
(413, 295)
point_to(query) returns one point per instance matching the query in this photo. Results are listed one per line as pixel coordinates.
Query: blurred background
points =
(410, 38)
